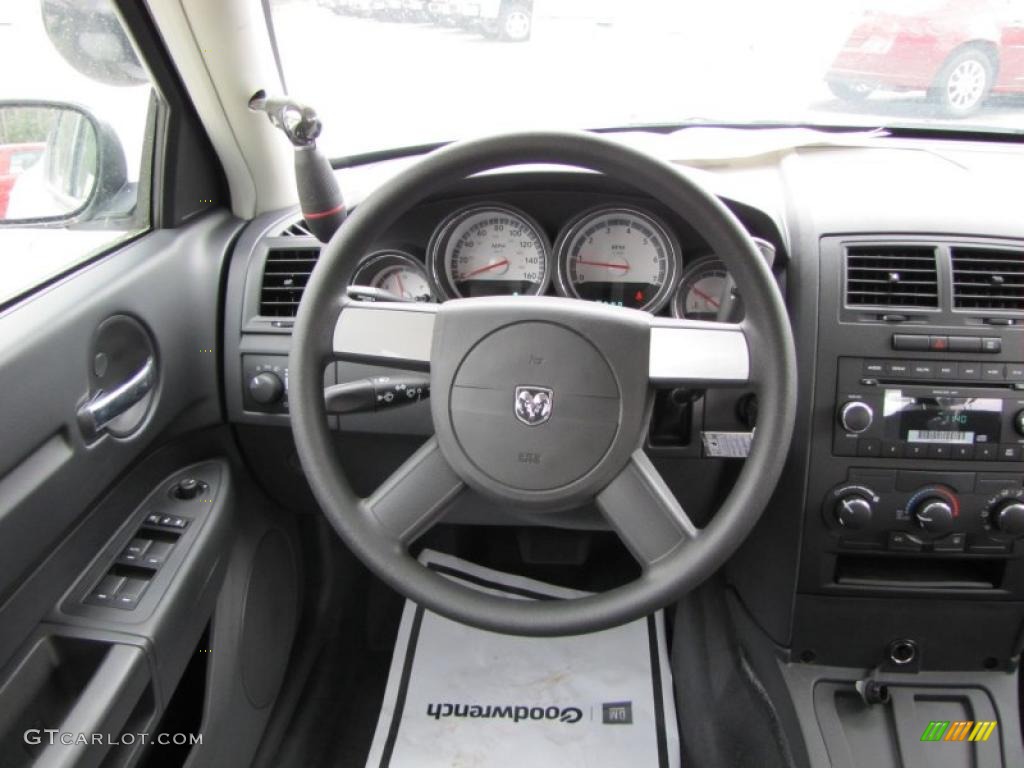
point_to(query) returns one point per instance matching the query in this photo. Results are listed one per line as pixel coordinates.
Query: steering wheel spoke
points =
(415, 496)
(395, 334)
(645, 512)
(692, 352)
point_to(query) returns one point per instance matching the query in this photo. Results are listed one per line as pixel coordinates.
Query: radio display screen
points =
(950, 420)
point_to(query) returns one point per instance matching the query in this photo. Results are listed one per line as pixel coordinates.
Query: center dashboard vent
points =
(988, 278)
(285, 275)
(903, 276)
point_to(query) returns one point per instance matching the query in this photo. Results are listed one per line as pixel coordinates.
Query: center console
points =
(911, 551)
(895, 409)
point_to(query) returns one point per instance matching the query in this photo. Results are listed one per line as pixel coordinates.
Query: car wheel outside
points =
(515, 23)
(964, 82)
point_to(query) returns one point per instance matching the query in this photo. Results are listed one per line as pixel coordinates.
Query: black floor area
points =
(334, 724)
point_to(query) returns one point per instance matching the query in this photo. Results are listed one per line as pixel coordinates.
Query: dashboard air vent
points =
(297, 229)
(892, 276)
(986, 278)
(284, 278)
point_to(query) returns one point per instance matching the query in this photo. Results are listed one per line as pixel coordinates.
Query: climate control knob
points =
(266, 388)
(934, 514)
(853, 511)
(1008, 517)
(856, 416)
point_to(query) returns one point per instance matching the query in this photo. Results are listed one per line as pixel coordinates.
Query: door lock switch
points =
(170, 522)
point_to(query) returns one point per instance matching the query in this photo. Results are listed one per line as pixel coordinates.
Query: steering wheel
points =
(542, 402)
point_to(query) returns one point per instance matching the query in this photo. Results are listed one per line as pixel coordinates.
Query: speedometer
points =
(489, 250)
(618, 256)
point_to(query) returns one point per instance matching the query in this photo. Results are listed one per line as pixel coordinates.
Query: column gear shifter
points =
(319, 195)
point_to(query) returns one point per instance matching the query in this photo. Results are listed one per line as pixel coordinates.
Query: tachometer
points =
(618, 256)
(489, 250)
(396, 272)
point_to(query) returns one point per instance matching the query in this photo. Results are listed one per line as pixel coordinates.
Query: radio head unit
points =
(890, 417)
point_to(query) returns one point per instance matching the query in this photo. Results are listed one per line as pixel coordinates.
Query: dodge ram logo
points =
(533, 405)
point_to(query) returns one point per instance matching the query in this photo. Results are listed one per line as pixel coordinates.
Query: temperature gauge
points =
(706, 286)
(701, 290)
(396, 272)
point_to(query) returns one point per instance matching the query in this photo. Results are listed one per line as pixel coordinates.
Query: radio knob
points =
(266, 388)
(1018, 422)
(854, 511)
(856, 416)
(1008, 517)
(934, 515)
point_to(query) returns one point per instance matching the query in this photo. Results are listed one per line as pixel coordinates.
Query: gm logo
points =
(617, 713)
(958, 730)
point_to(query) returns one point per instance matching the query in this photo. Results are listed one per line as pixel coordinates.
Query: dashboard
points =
(568, 234)
(553, 232)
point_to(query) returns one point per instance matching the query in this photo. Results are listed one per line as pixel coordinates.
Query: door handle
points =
(104, 407)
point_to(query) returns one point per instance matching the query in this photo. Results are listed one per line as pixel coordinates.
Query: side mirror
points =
(89, 35)
(58, 164)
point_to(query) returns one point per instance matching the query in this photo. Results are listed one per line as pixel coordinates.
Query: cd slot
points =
(959, 385)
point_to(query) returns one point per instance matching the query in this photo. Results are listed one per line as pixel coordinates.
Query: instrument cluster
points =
(623, 255)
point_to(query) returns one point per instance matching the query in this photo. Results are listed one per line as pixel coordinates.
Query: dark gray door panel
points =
(110, 668)
(74, 563)
(74, 684)
(169, 281)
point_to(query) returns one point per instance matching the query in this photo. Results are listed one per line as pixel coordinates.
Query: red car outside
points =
(958, 51)
(15, 158)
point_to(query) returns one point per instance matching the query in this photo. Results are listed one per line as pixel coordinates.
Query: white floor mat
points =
(460, 697)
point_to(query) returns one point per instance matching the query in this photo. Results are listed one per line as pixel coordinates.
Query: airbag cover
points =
(550, 397)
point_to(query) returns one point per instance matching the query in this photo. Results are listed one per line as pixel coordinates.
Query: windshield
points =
(393, 73)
